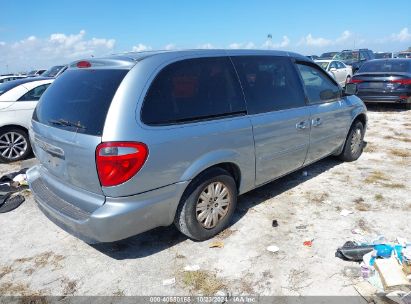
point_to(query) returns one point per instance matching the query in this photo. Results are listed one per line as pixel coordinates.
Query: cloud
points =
(269, 44)
(58, 48)
(170, 46)
(403, 36)
(248, 45)
(207, 46)
(141, 48)
(320, 42)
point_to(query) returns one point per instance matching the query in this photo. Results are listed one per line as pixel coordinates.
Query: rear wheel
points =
(354, 144)
(208, 205)
(14, 145)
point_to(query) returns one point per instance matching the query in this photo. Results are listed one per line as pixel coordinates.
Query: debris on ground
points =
(273, 248)
(346, 212)
(169, 282)
(308, 243)
(192, 268)
(385, 267)
(11, 187)
(275, 223)
(216, 244)
(301, 227)
(352, 251)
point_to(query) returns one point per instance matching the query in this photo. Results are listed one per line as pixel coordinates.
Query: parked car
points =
(337, 69)
(35, 73)
(10, 78)
(385, 80)
(18, 98)
(129, 143)
(355, 58)
(313, 57)
(404, 55)
(328, 55)
(384, 55)
(55, 71)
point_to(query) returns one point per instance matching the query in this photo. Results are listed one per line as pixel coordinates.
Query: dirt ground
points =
(38, 258)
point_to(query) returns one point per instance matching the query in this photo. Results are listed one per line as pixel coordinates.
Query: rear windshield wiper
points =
(66, 123)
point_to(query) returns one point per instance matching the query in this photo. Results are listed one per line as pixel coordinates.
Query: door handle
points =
(316, 122)
(302, 125)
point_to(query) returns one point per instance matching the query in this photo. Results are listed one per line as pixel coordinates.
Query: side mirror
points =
(350, 89)
(333, 70)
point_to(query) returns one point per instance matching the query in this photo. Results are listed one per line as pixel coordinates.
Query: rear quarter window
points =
(192, 90)
(79, 96)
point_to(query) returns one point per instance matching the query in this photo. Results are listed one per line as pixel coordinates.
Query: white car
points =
(341, 72)
(18, 99)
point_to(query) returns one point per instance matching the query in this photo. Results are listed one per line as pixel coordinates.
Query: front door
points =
(328, 114)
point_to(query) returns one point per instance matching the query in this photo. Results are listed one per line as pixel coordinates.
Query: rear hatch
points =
(68, 124)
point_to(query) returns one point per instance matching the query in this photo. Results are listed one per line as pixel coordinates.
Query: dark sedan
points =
(385, 80)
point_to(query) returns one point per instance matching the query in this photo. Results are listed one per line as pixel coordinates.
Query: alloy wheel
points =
(356, 141)
(213, 204)
(12, 145)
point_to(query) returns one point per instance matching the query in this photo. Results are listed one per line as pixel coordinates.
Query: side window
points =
(340, 65)
(34, 94)
(333, 65)
(193, 89)
(269, 83)
(319, 87)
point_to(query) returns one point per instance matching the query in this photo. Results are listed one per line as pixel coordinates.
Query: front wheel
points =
(354, 144)
(347, 80)
(208, 205)
(14, 145)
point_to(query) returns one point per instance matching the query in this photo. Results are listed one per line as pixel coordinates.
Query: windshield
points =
(53, 71)
(79, 98)
(323, 64)
(382, 55)
(328, 55)
(386, 66)
(347, 55)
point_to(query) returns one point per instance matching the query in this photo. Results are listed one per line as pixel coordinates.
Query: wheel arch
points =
(14, 126)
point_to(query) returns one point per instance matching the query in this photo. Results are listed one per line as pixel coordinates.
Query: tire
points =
(347, 80)
(194, 222)
(16, 138)
(354, 144)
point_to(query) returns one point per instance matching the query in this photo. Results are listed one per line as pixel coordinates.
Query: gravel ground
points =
(38, 258)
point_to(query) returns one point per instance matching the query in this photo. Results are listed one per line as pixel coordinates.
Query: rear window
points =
(192, 90)
(386, 66)
(53, 71)
(79, 98)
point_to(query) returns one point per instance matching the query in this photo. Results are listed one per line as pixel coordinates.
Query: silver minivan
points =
(140, 140)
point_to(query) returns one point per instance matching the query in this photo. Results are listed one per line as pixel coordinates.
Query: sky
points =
(38, 34)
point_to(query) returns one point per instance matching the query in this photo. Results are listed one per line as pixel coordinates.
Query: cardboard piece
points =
(391, 274)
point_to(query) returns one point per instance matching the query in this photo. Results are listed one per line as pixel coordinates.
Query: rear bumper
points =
(385, 98)
(116, 219)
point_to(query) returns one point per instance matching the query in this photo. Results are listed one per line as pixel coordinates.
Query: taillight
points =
(402, 81)
(117, 162)
(356, 81)
(83, 64)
